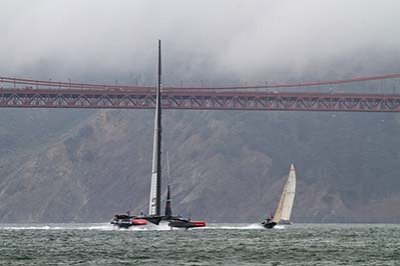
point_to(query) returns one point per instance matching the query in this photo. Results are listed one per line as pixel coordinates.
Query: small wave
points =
(235, 226)
(255, 226)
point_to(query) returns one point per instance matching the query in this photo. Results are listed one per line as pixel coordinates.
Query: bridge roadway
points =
(144, 98)
(27, 93)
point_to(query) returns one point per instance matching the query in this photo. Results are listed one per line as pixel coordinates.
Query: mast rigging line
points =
(73, 85)
(307, 84)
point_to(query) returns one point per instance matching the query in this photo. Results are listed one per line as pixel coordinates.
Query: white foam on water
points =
(26, 228)
(234, 226)
(163, 226)
(103, 227)
(280, 227)
(57, 227)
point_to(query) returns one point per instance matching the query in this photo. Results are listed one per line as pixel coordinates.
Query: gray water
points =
(100, 244)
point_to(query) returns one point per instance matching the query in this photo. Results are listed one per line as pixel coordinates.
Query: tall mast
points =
(155, 188)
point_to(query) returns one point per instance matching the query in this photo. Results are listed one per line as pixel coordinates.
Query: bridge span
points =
(24, 93)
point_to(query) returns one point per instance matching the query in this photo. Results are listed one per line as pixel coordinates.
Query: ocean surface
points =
(219, 244)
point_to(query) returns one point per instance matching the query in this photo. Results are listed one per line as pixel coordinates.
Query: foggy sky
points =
(246, 39)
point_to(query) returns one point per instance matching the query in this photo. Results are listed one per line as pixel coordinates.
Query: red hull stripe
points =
(198, 223)
(138, 222)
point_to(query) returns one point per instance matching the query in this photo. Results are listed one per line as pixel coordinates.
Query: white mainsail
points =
(285, 206)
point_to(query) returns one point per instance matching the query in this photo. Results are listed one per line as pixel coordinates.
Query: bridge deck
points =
(144, 98)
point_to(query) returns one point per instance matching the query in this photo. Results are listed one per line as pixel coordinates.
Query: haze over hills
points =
(79, 165)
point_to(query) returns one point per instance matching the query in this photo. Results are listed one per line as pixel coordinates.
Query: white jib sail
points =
(285, 206)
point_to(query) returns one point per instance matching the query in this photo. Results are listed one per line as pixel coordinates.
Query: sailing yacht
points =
(285, 206)
(173, 220)
(154, 216)
(178, 221)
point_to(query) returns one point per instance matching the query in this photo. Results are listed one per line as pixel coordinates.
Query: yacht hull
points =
(183, 223)
(268, 225)
(128, 222)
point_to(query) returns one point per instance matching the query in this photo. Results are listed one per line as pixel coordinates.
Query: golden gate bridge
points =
(29, 93)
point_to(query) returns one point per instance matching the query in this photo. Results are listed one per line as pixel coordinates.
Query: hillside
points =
(225, 165)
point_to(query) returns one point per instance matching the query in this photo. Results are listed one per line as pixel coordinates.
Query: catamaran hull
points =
(186, 224)
(127, 223)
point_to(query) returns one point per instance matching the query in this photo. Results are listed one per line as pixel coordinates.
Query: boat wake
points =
(56, 227)
(235, 226)
(109, 227)
(279, 227)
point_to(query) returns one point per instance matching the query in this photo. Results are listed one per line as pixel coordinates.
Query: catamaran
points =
(154, 216)
(178, 221)
(173, 220)
(285, 206)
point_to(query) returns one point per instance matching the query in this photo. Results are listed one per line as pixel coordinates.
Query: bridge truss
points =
(23, 93)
